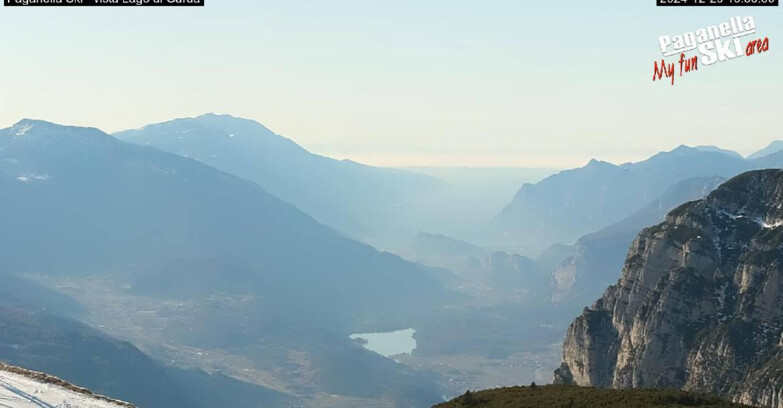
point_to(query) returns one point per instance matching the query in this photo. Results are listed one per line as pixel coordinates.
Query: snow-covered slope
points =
(21, 388)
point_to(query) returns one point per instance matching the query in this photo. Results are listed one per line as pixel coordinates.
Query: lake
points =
(390, 343)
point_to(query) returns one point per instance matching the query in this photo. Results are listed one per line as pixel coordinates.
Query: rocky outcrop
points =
(598, 257)
(699, 305)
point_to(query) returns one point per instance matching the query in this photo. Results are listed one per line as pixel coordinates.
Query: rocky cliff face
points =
(598, 257)
(699, 304)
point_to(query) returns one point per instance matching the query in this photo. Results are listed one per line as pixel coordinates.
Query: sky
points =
(489, 83)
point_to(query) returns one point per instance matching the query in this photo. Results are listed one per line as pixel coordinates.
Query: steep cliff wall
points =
(699, 304)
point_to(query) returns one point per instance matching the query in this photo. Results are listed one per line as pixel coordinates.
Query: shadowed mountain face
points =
(356, 199)
(576, 202)
(154, 224)
(175, 227)
(698, 306)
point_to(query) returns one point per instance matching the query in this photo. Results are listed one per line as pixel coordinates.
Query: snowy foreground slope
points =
(28, 389)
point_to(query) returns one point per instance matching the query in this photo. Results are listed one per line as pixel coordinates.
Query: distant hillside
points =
(355, 199)
(772, 148)
(572, 203)
(559, 396)
(440, 251)
(179, 228)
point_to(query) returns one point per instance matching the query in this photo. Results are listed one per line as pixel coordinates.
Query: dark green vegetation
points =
(491, 331)
(564, 396)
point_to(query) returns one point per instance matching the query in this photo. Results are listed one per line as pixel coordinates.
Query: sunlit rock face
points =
(698, 305)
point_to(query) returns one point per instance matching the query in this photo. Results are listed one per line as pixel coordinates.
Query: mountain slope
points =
(576, 202)
(142, 222)
(177, 227)
(20, 388)
(351, 197)
(440, 251)
(597, 257)
(774, 147)
(83, 355)
(698, 304)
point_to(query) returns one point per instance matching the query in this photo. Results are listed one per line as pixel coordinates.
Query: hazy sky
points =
(420, 82)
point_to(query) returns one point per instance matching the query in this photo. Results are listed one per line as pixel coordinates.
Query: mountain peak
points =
(597, 163)
(25, 125)
(755, 195)
(212, 115)
(36, 134)
(683, 149)
(716, 149)
(202, 128)
(772, 148)
(22, 127)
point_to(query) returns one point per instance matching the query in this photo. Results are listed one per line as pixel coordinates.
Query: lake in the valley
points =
(390, 343)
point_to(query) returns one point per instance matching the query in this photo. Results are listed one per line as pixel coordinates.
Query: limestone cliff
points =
(699, 304)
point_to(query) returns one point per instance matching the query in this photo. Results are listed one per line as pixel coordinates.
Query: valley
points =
(408, 204)
(269, 300)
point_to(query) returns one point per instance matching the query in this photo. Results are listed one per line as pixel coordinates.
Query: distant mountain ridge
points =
(356, 199)
(120, 203)
(772, 148)
(572, 203)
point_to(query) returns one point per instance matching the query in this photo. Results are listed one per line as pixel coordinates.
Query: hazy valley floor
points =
(476, 346)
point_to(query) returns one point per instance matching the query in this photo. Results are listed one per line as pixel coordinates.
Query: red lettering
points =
(663, 70)
(757, 46)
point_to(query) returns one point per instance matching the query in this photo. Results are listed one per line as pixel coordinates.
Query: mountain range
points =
(573, 203)
(361, 201)
(211, 254)
(136, 223)
(176, 227)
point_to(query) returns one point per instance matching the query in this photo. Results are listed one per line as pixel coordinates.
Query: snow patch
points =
(18, 391)
(28, 178)
(764, 224)
(21, 130)
(772, 225)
